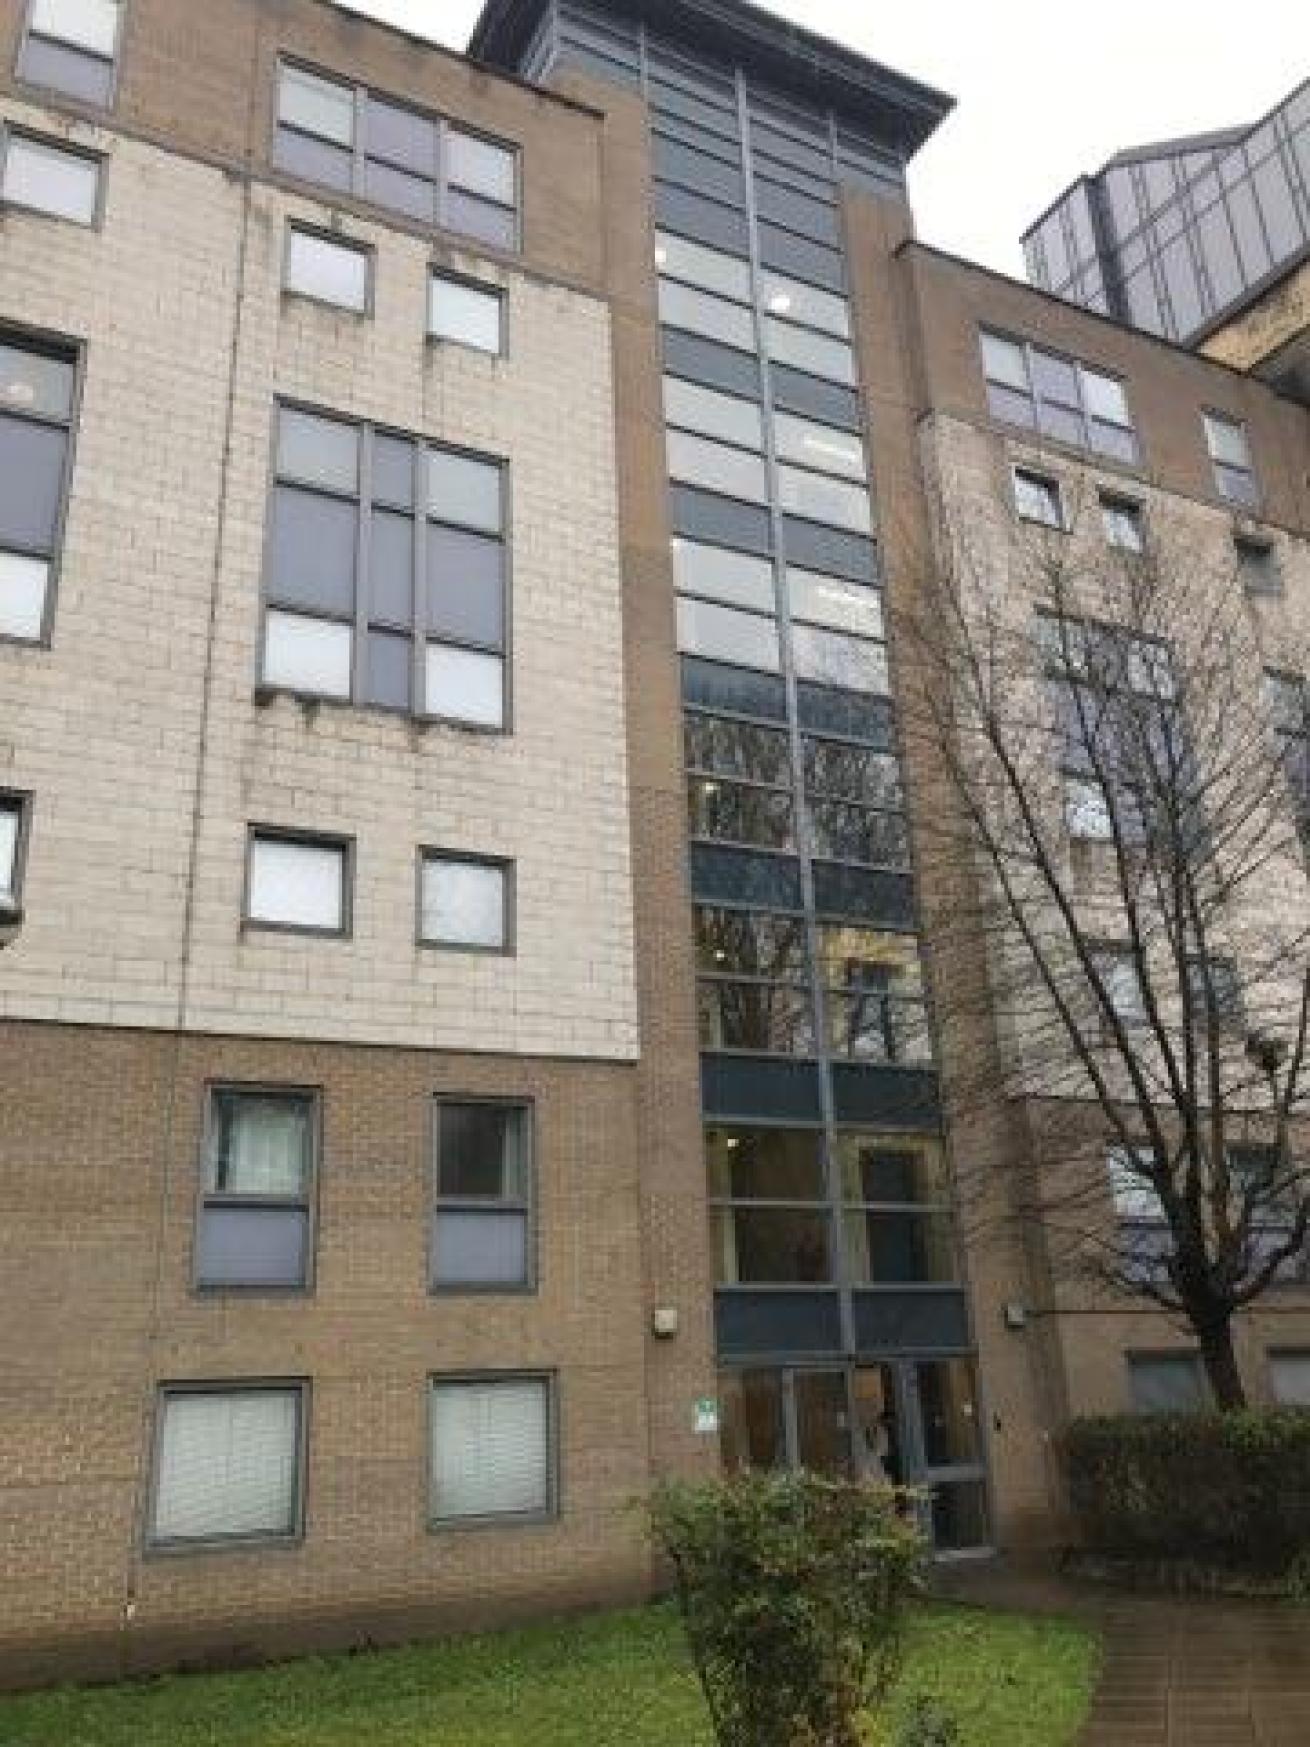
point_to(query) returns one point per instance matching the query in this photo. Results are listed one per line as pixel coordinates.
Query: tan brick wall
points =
(110, 726)
(98, 1179)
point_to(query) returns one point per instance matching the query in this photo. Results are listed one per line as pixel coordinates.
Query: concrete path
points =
(1177, 1673)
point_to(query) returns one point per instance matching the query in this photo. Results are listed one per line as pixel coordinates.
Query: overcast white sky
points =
(1046, 89)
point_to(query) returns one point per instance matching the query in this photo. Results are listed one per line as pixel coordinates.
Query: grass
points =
(619, 1680)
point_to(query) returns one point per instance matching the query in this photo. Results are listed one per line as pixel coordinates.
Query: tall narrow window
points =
(70, 46)
(47, 176)
(257, 1181)
(228, 1464)
(298, 883)
(1230, 456)
(12, 815)
(492, 1449)
(481, 1232)
(36, 412)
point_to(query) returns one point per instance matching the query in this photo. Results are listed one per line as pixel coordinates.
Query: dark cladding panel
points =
(734, 691)
(860, 894)
(744, 876)
(781, 1323)
(911, 1321)
(908, 1098)
(759, 1088)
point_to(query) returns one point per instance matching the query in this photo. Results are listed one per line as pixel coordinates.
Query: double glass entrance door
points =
(908, 1422)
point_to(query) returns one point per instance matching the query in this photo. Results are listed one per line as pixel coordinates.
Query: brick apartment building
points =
(468, 1049)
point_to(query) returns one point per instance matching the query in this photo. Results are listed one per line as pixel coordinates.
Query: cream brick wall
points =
(112, 729)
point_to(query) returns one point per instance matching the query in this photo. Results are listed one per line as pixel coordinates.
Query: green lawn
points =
(621, 1680)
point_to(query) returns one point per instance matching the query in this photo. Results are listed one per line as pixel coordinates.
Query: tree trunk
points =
(1221, 1368)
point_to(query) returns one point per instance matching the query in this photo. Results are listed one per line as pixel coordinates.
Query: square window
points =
(1167, 1383)
(228, 1465)
(1122, 521)
(91, 25)
(1135, 1196)
(23, 586)
(466, 490)
(328, 269)
(1037, 498)
(313, 657)
(481, 168)
(321, 107)
(464, 902)
(723, 634)
(1258, 569)
(258, 1170)
(480, 1236)
(491, 1449)
(11, 838)
(1289, 1378)
(49, 178)
(1087, 811)
(467, 315)
(1118, 973)
(298, 883)
(1005, 362)
(465, 685)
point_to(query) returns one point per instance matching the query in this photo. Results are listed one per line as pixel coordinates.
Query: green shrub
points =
(928, 1724)
(793, 1591)
(1229, 1490)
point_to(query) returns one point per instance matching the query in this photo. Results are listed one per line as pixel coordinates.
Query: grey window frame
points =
(321, 233)
(439, 270)
(302, 1387)
(530, 1206)
(21, 802)
(1174, 1354)
(114, 61)
(361, 621)
(504, 865)
(1087, 418)
(940, 1210)
(73, 353)
(1117, 503)
(309, 839)
(207, 1197)
(1211, 416)
(549, 1377)
(1249, 546)
(1034, 475)
(10, 131)
(359, 155)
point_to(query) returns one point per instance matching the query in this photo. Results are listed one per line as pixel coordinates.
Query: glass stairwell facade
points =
(842, 1325)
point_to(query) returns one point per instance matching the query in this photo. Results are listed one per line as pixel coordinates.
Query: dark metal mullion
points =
(363, 565)
(801, 819)
(420, 703)
(358, 178)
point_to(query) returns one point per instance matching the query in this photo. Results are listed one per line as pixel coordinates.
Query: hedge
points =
(1230, 1490)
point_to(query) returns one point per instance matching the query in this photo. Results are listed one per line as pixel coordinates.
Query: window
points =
(1117, 971)
(47, 177)
(13, 816)
(1087, 811)
(1167, 1383)
(257, 1181)
(1289, 1379)
(1289, 705)
(769, 1222)
(876, 1009)
(1122, 521)
(820, 499)
(725, 417)
(1215, 978)
(298, 883)
(716, 467)
(390, 593)
(694, 264)
(347, 137)
(228, 1464)
(70, 45)
(466, 314)
(37, 390)
(1037, 498)
(1064, 400)
(795, 301)
(1257, 566)
(1136, 1200)
(721, 634)
(897, 1220)
(830, 658)
(754, 989)
(698, 312)
(822, 448)
(817, 354)
(737, 579)
(492, 1449)
(329, 269)
(1230, 456)
(481, 1230)
(464, 902)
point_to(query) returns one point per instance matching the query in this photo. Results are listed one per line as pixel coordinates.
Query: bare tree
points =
(1115, 849)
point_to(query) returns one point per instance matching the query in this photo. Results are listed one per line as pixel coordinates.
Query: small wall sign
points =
(706, 1417)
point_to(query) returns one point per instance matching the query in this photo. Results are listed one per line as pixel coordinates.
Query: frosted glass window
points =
(821, 499)
(720, 634)
(736, 578)
(333, 272)
(85, 24)
(466, 685)
(317, 450)
(699, 313)
(313, 656)
(481, 167)
(798, 302)
(816, 353)
(260, 1144)
(297, 883)
(1105, 398)
(50, 179)
(1289, 1376)
(1135, 1197)
(466, 491)
(490, 1449)
(844, 606)
(23, 583)
(465, 903)
(1167, 1383)
(819, 446)
(706, 268)
(724, 416)
(317, 106)
(10, 818)
(466, 315)
(228, 1466)
(715, 467)
(1086, 810)
(828, 658)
